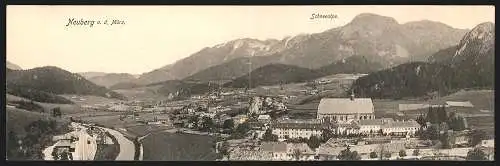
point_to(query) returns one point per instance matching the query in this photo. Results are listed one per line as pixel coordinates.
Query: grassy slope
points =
(183, 147)
(17, 119)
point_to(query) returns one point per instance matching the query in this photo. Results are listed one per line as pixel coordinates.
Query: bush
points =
(416, 152)
(402, 153)
(476, 154)
(373, 155)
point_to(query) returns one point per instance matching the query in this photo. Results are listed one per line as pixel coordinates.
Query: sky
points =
(154, 36)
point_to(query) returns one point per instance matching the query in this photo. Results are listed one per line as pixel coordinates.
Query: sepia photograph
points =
(250, 83)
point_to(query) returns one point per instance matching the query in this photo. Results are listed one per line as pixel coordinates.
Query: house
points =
(487, 143)
(365, 150)
(249, 154)
(461, 106)
(264, 118)
(344, 110)
(119, 107)
(278, 150)
(347, 129)
(239, 119)
(369, 126)
(291, 128)
(302, 150)
(328, 151)
(408, 107)
(64, 145)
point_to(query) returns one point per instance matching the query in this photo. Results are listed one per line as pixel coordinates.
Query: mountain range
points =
(12, 66)
(367, 34)
(470, 64)
(44, 84)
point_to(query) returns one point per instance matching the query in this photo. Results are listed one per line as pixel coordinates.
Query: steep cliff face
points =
(470, 64)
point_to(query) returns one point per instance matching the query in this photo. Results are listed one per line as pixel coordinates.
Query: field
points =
(89, 100)
(65, 108)
(178, 147)
(483, 123)
(143, 129)
(142, 93)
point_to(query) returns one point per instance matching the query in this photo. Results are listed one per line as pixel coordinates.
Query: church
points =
(345, 110)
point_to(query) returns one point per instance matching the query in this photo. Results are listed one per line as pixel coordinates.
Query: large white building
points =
(401, 127)
(298, 128)
(345, 110)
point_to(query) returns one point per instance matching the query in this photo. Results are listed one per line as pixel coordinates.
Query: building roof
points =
(277, 147)
(63, 143)
(371, 122)
(410, 123)
(459, 104)
(264, 117)
(300, 124)
(329, 150)
(406, 107)
(345, 105)
(244, 154)
(365, 149)
(302, 147)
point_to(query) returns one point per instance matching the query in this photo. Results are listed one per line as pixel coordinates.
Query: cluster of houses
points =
(385, 137)
(80, 144)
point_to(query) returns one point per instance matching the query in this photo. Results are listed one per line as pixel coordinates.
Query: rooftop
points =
(410, 123)
(276, 147)
(302, 147)
(459, 104)
(63, 143)
(345, 105)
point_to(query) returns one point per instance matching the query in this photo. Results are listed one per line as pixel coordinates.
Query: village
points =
(253, 125)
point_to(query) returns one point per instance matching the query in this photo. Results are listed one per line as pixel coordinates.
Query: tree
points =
(326, 134)
(297, 154)
(224, 148)
(208, 124)
(194, 120)
(314, 142)
(243, 128)
(421, 121)
(431, 116)
(12, 145)
(56, 112)
(228, 124)
(402, 153)
(64, 156)
(445, 140)
(346, 154)
(431, 133)
(441, 114)
(416, 152)
(476, 136)
(373, 155)
(269, 136)
(476, 154)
